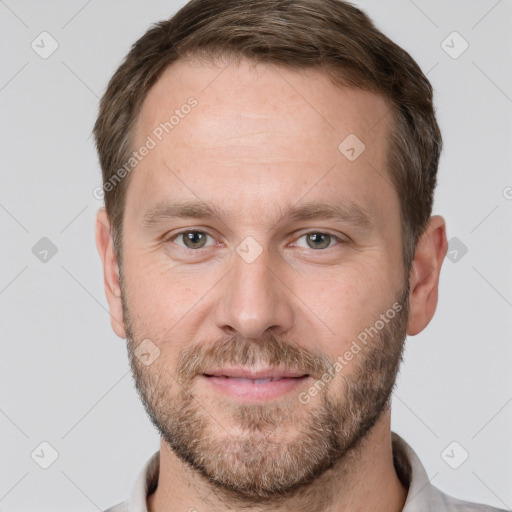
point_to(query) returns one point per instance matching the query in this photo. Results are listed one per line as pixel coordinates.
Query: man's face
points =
(268, 284)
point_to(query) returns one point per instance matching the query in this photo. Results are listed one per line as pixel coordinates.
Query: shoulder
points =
(121, 507)
(452, 504)
(422, 495)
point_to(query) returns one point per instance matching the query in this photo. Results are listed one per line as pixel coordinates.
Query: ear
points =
(424, 275)
(105, 245)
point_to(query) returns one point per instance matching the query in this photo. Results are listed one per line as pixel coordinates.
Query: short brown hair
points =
(330, 35)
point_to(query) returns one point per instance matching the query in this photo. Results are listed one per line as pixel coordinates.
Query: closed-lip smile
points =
(250, 384)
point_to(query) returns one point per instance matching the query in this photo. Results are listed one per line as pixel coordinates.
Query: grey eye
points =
(192, 239)
(317, 240)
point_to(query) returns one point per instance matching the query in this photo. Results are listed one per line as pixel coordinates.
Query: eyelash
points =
(188, 249)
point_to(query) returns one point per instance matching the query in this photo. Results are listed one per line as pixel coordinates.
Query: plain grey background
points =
(65, 377)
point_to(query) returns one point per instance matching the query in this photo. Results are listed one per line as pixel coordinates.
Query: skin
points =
(249, 151)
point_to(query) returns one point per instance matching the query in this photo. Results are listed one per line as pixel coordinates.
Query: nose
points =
(253, 299)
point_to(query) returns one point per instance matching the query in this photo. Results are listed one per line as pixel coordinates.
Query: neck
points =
(364, 480)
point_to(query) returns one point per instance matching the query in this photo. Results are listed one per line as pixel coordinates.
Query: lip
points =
(247, 373)
(250, 385)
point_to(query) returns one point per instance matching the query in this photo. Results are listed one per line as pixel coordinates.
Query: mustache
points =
(269, 352)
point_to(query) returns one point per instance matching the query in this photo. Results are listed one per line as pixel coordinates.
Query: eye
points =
(191, 239)
(318, 240)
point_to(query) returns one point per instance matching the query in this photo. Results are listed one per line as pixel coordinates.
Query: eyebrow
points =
(345, 211)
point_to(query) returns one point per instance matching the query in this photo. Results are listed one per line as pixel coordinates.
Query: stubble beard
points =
(269, 451)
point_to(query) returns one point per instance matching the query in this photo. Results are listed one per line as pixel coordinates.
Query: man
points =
(267, 243)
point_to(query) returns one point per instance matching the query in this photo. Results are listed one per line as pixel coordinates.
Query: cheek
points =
(166, 305)
(155, 303)
(344, 303)
(154, 285)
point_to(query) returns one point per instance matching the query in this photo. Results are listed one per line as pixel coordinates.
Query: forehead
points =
(244, 94)
(258, 129)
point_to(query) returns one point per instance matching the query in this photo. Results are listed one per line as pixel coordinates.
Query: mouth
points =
(254, 385)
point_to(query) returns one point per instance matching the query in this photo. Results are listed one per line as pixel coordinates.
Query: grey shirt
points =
(422, 496)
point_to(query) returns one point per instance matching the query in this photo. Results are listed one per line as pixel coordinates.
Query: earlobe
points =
(105, 246)
(424, 275)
